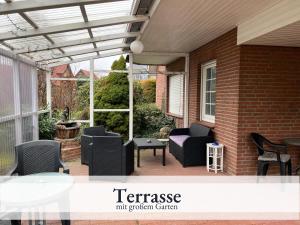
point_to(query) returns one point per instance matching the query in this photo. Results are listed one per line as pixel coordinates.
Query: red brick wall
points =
(226, 52)
(257, 90)
(269, 101)
(161, 88)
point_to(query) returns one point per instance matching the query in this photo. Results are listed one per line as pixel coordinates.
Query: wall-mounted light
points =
(137, 47)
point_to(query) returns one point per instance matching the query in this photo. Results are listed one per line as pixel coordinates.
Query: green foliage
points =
(46, 127)
(148, 121)
(112, 92)
(149, 90)
(82, 98)
(138, 96)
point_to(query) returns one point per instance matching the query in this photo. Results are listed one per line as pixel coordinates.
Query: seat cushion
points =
(271, 156)
(179, 139)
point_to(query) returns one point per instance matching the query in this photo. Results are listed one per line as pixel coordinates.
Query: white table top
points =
(34, 189)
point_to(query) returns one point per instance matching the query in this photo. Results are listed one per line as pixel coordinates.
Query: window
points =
(208, 92)
(176, 94)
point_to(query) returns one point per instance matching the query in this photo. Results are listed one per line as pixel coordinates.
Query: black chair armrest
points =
(111, 134)
(274, 145)
(65, 168)
(180, 131)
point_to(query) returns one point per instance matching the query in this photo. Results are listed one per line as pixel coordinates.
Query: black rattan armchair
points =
(108, 156)
(38, 157)
(268, 153)
(86, 140)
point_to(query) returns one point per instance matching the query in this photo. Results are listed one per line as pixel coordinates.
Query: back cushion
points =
(95, 131)
(197, 130)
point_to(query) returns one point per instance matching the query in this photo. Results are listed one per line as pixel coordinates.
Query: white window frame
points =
(205, 117)
(178, 114)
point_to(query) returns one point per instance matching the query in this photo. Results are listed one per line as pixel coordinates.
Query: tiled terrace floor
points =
(151, 165)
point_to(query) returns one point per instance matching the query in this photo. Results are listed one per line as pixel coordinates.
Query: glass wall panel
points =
(8, 141)
(6, 87)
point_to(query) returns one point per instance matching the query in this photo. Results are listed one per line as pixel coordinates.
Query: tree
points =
(149, 90)
(112, 92)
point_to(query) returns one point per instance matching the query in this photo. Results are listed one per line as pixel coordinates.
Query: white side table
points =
(214, 152)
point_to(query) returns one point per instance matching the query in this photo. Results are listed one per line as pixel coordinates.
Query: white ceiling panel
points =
(183, 26)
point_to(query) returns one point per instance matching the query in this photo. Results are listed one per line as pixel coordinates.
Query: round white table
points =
(33, 191)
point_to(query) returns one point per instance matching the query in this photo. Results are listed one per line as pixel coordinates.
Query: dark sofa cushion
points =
(95, 131)
(197, 130)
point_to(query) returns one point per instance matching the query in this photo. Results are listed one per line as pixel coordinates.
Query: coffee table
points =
(149, 143)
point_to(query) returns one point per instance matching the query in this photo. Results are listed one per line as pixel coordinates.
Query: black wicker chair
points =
(108, 156)
(268, 153)
(38, 157)
(86, 140)
(188, 145)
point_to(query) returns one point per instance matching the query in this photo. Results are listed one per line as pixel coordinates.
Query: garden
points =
(112, 92)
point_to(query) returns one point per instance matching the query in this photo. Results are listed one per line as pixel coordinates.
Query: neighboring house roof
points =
(60, 71)
(84, 74)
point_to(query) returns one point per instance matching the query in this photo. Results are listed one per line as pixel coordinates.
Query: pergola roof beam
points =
(86, 51)
(85, 18)
(78, 42)
(73, 27)
(33, 5)
(84, 59)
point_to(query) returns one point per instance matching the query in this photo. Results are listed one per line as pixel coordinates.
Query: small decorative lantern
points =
(137, 47)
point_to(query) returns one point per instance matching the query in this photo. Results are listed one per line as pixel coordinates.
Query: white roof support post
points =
(72, 27)
(35, 117)
(186, 91)
(92, 92)
(48, 91)
(130, 78)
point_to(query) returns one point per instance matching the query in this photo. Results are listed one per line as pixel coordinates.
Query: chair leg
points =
(282, 169)
(262, 168)
(265, 168)
(289, 164)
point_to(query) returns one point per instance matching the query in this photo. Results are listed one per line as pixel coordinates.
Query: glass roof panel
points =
(57, 60)
(84, 55)
(69, 36)
(58, 16)
(108, 10)
(111, 42)
(13, 23)
(109, 30)
(37, 56)
(111, 51)
(78, 47)
(28, 43)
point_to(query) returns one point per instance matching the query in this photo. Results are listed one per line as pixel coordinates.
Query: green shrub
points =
(46, 127)
(148, 121)
(149, 90)
(112, 92)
